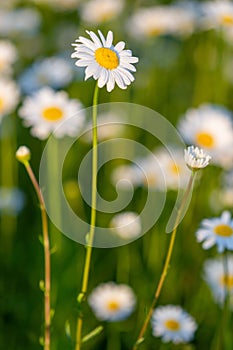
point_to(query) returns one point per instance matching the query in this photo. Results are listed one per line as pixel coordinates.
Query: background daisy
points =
(112, 302)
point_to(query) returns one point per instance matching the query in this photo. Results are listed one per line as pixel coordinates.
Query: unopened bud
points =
(23, 154)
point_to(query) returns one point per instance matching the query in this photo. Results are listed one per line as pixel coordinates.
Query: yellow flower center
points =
(107, 58)
(1, 104)
(154, 31)
(113, 305)
(172, 325)
(174, 169)
(204, 139)
(52, 114)
(227, 281)
(227, 19)
(150, 180)
(223, 230)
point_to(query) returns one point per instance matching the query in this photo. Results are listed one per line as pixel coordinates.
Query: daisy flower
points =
(204, 127)
(126, 176)
(126, 225)
(52, 71)
(196, 158)
(107, 63)
(173, 324)
(98, 11)
(219, 283)
(161, 20)
(8, 56)
(46, 110)
(112, 302)
(9, 96)
(217, 14)
(217, 231)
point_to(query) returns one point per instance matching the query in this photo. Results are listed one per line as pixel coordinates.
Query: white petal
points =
(120, 46)
(103, 78)
(110, 83)
(95, 39)
(102, 37)
(109, 39)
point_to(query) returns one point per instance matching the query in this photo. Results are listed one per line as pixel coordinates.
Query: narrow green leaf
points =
(92, 334)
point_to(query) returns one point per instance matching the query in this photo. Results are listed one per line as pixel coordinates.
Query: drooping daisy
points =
(107, 63)
(46, 110)
(161, 20)
(210, 127)
(9, 96)
(8, 56)
(173, 324)
(217, 14)
(220, 282)
(55, 72)
(98, 11)
(217, 231)
(196, 158)
(112, 302)
(126, 225)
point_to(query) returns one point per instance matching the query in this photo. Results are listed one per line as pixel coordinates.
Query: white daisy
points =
(173, 324)
(9, 96)
(107, 63)
(46, 110)
(112, 302)
(8, 56)
(126, 176)
(161, 20)
(98, 11)
(217, 231)
(196, 158)
(210, 127)
(220, 282)
(217, 14)
(126, 225)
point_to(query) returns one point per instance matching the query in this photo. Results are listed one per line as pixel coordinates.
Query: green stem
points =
(47, 269)
(166, 265)
(90, 235)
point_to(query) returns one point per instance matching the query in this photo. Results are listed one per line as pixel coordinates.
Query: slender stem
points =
(90, 235)
(166, 265)
(47, 273)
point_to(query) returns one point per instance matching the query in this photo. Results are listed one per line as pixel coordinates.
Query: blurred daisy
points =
(161, 20)
(46, 110)
(126, 176)
(98, 11)
(217, 231)
(8, 56)
(109, 126)
(196, 158)
(217, 14)
(55, 72)
(126, 225)
(219, 282)
(12, 200)
(107, 63)
(9, 96)
(24, 21)
(112, 302)
(173, 324)
(205, 126)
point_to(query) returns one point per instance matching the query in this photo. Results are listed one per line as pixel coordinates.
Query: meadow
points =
(172, 90)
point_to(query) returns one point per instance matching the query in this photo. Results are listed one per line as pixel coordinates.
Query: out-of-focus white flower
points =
(12, 200)
(160, 20)
(109, 126)
(126, 176)
(20, 21)
(55, 72)
(8, 56)
(112, 302)
(217, 14)
(220, 281)
(196, 158)
(217, 231)
(105, 62)
(46, 110)
(210, 127)
(98, 11)
(9, 96)
(173, 324)
(127, 225)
